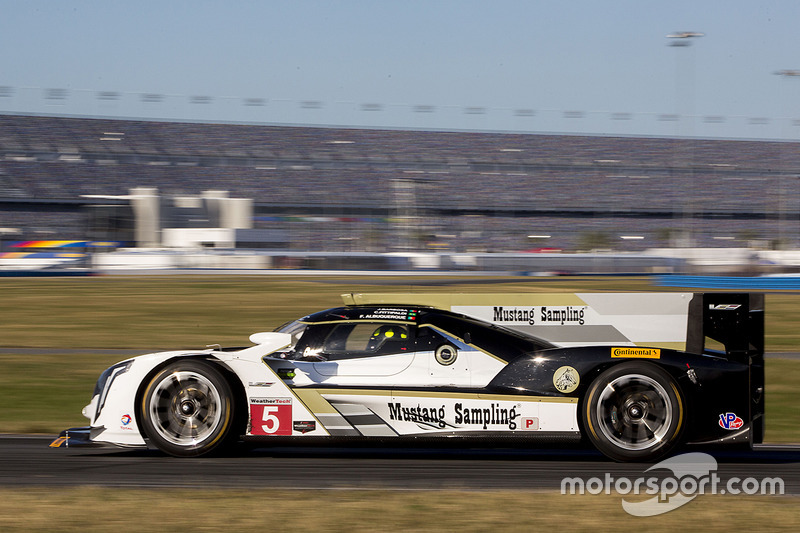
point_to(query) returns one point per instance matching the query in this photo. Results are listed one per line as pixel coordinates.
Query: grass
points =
(94, 510)
(174, 312)
(782, 410)
(148, 312)
(45, 393)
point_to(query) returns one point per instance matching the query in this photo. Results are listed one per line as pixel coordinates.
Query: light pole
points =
(683, 39)
(787, 75)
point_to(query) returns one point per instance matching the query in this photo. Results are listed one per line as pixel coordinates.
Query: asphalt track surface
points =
(29, 461)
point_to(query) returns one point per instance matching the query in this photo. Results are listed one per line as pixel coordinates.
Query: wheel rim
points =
(634, 412)
(185, 408)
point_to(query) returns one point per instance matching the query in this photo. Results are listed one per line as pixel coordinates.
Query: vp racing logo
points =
(692, 474)
(730, 421)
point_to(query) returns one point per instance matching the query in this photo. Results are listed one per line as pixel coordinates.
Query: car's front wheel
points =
(188, 409)
(634, 411)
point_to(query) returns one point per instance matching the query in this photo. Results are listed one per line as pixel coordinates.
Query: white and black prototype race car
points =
(398, 371)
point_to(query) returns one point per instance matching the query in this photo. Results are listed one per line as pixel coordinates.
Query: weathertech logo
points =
(641, 353)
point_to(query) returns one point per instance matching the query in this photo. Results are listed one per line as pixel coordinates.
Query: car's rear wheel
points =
(188, 409)
(634, 411)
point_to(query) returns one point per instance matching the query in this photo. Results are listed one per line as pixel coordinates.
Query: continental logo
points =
(641, 353)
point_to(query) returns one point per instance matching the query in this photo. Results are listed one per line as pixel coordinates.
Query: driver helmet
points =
(386, 332)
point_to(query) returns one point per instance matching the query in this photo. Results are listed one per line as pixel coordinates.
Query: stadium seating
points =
(481, 190)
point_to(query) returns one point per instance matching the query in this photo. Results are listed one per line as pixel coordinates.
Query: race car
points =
(402, 371)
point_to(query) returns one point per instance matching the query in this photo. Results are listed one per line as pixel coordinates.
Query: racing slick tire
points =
(188, 409)
(634, 411)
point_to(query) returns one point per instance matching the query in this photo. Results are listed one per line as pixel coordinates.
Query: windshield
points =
(293, 328)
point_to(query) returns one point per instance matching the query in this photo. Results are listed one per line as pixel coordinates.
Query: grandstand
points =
(338, 189)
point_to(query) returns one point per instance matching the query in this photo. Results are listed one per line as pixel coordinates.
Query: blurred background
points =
(544, 138)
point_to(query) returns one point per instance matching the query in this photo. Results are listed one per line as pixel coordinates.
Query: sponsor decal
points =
(494, 415)
(432, 416)
(566, 379)
(388, 313)
(530, 423)
(260, 384)
(640, 353)
(126, 419)
(271, 401)
(463, 415)
(270, 416)
(544, 315)
(304, 426)
(730, 421)
(515, 314)
(446, 354)
(724, 307)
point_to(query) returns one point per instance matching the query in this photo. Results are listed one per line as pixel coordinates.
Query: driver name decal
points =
(389, 313)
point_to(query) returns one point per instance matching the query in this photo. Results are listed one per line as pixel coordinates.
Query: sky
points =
(578, 66)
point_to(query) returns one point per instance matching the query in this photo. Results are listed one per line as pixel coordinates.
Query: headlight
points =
(105, 380)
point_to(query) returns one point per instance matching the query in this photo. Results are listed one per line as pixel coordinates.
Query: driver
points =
(386, 333)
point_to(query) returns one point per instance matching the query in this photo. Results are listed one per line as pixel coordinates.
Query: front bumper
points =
(80, 436)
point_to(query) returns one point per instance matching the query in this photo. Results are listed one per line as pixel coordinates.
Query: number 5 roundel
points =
(271, 416)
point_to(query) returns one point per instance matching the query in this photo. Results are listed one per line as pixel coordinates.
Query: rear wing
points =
(734, 320)
(679, 321)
